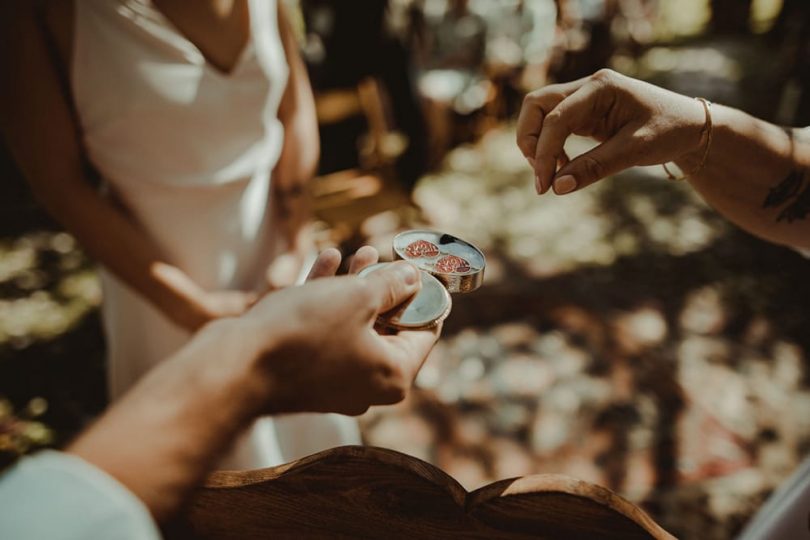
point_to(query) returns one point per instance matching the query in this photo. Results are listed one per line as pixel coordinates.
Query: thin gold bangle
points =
(707, 128)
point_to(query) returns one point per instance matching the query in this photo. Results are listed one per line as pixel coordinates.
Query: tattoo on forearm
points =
(793, 194)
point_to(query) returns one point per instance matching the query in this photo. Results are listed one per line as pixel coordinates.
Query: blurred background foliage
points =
(626, 335)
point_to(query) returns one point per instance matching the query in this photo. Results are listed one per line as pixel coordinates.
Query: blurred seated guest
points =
(456, 38)
(754, 173)
(343, 45)
(520, 38)
(587, 41)
(637, 22)
(291, 352)
(731, 16)
(451, 75)
(347, 43)
(791, 32)
(509, 28)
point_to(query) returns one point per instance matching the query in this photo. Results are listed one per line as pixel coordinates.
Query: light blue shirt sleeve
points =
(60, 496)
(786, 513)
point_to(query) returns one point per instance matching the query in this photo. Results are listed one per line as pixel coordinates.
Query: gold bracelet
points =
(707, 128)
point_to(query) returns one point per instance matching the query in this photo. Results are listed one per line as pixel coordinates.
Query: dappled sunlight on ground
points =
(626, 335)
(485, 194)
(48, 286)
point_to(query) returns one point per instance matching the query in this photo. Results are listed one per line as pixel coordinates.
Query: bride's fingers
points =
(176, 279)
(284, 271)
(328, 262)
(365, 256)
(326, 265)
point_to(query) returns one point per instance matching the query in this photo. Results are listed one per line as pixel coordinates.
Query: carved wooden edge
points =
(558, 483)
(431, 473)
(514, 487)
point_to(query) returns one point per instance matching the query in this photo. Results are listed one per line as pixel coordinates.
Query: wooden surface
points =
(366, 492)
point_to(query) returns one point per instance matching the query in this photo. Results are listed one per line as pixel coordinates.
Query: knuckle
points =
(641, 138)
(531, 98)
(356, 409)
(604, 75)
(594, 169)
(395, 394)
(385, 371)
(554, 118)
(390, 383)
(525, 145)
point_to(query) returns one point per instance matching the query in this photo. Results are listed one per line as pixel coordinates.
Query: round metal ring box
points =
(427, 308)
(456, 263)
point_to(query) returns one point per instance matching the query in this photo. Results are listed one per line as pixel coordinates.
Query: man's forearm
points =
(164, 435)
(757, 175)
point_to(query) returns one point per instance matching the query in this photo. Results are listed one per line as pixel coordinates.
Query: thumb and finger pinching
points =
(610, 157)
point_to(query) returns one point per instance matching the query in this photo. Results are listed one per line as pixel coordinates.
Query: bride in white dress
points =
(198, 118)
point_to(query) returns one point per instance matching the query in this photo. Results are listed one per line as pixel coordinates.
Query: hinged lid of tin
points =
(456, 263)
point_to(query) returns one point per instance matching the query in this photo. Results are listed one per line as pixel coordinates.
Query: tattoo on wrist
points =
(793, 194)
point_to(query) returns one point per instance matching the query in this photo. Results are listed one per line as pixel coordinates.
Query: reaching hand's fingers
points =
(530, 121)
(392, 285)
(610, 157)
(574, 112)
(326, 265)
(535, 106)
(365, 256)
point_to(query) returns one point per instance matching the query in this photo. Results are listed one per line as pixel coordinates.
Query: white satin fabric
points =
(189, 151)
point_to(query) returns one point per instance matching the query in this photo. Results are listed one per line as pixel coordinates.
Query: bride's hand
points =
(328, 262)
(192, 306)
(284, 271)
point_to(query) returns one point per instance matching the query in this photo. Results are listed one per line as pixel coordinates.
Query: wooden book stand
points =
(366, 492)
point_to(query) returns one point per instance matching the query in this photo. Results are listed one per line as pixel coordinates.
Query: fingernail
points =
(538, 185)
(564, 184)
(408, 273)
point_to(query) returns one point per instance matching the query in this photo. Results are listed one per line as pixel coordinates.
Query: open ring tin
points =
(427, 308)
(459, 265)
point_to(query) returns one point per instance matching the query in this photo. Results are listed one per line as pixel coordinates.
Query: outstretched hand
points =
(307, 348)
(635, 122)
(327, 357)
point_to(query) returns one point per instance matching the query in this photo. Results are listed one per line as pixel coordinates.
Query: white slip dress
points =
(189, 151)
